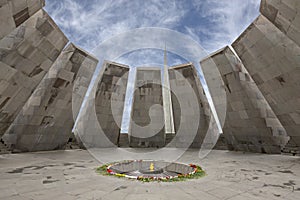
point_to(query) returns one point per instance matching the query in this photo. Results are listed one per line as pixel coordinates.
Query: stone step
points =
(72, 143)
(221, 143)
(123, 141)
(291, 150)
(72, 146)
(169, 138)
(4, 149)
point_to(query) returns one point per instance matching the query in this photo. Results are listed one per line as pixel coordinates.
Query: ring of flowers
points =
(196, 173)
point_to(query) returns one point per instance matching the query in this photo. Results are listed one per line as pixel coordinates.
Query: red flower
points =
(193, 166)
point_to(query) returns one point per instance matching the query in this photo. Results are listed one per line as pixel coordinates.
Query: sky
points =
(213, 24)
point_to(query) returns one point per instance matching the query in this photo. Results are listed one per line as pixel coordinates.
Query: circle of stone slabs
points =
(156, 170)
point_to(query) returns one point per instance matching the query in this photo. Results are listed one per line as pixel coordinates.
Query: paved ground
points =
(71, 175)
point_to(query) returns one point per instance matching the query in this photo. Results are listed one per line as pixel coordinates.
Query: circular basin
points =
(151, 169)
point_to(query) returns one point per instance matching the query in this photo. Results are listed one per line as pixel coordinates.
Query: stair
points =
(169, 138)
(123, 141)
(291, 149)
(72, 143)
(4, 149)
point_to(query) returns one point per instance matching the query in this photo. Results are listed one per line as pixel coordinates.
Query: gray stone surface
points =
(184, 111)
(272, 59)
(26, 54)
(109, 102)
(30, 43)
(147, 117)
(71, 175)
(250, 124)
(46, 120)
(167, 99)
(15, 12)
(285, 15)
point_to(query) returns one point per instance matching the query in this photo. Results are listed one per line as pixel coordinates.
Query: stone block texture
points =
(46, 120)
(26, 54)
(250, 124)
(81, 85)
(98, 124)
(109, 102)
(285, 15)
(183, 80)
(13, 13)
(272, 59)
(147, 118)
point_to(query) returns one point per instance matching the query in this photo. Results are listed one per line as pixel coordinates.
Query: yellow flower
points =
(120, 175)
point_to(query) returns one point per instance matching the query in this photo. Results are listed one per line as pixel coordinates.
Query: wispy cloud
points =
(88, 23)
(149, 57)
(213, 23)
(223, 20)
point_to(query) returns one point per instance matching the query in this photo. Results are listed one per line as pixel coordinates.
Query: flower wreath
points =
(196, 173)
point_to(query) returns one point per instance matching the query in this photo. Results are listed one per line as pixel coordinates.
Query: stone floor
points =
(71, 175)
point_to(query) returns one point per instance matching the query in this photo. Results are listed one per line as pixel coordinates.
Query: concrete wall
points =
(285, 15)
(46, 120)
(26, 54)
(250, 124)
(13, 13)
(184, 81)
(109, 102)
(147, 118)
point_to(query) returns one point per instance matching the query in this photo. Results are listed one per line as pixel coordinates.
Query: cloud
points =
(149, 57)
(225, 20)
(87, 23)
(212, 23)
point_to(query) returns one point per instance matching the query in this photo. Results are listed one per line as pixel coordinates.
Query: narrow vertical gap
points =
(126, 118)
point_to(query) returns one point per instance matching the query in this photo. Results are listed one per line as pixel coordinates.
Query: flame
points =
(151, 167)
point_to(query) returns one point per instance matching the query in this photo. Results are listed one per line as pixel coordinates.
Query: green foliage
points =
(102, 169)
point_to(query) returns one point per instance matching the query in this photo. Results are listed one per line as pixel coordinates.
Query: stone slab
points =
(147, 117)
(285, 15)
(13, 13)
(184, 81)
(245, 127)
(274, 70)
(46, 120)
(109, 102)
(25, 57)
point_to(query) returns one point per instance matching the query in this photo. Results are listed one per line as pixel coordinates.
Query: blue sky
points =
(212, 23)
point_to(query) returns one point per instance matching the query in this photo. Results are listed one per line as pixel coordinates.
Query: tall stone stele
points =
(46, 120)
(109, 103)
(250, 124)
(185, 86)
(26, 55)
(272, 59)
(98, 124)
(147, 127)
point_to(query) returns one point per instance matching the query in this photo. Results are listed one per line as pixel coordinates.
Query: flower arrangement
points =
(196, 173)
